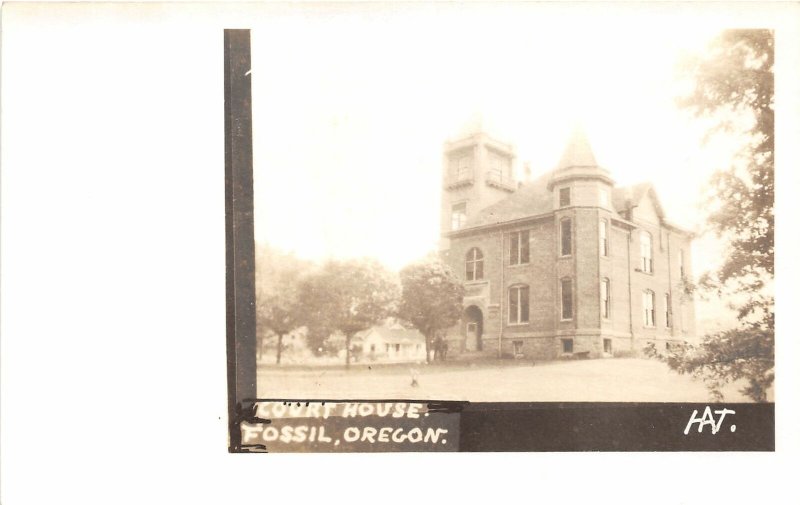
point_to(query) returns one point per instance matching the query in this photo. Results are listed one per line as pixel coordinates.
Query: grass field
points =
(609, 380)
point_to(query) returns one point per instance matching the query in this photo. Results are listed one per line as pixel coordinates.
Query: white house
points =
(392, 343)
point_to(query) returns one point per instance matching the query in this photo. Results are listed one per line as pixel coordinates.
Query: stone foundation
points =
(552, 347)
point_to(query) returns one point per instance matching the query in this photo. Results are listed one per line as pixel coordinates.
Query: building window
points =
(518, 304)
(520, 247)
(563, 197)
(566, 237)
(604, 198)
(497, 167)
(459, 215)
(387, 348)
(474, 264)
(683, 268)
(667, 310)
(461, 168)
(566, 345)
(607, 346)
(566, 299)
(603, 237)
(372, 348)
(647, 252)
(605, 302)
(649, 303)
(495, 170)
(517, 347)
(396, 347)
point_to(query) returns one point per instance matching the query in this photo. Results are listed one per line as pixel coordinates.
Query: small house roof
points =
(395, 335)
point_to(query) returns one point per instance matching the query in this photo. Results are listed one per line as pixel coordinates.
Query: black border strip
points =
(579, 426)
(615, 427)
(239, 229)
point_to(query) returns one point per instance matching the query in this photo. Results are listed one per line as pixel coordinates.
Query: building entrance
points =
(473, 317)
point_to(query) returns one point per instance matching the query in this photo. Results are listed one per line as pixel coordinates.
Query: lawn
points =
(609, 380)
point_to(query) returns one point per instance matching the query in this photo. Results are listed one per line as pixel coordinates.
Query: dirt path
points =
(612, 380)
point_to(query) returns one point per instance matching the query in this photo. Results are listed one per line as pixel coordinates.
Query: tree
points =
(349, 297)
(432, 298)
(278, 308)
(733, 89)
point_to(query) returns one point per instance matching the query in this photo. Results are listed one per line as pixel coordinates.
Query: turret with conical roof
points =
(579, 180)
(578, 162)
(578, 152)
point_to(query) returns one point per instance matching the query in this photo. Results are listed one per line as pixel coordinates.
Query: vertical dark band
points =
(240, 251)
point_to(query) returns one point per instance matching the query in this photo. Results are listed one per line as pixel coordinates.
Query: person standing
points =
(437, 348)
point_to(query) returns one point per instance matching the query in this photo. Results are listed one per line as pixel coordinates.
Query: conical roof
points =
(578, 152)
(578, 161)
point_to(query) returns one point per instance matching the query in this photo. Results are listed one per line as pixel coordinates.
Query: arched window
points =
(474, 264)
(605, 298)
(646, 241)
(649, 308)
(518, 304)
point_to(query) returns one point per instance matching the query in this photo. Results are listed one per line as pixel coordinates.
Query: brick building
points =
(565, 264)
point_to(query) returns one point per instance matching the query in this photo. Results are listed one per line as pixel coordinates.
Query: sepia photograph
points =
(525, 206)
(539, 234)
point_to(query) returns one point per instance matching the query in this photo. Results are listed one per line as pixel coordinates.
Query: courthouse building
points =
(565, 264)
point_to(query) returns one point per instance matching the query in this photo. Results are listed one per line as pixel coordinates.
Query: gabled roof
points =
(631, 196)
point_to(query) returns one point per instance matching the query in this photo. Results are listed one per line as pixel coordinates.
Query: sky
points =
(352, 106)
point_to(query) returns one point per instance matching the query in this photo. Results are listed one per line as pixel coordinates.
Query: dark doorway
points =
(473, 318)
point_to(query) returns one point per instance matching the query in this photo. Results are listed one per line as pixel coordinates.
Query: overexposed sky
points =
(352, 106)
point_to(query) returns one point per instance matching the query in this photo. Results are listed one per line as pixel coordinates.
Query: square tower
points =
(477, 172)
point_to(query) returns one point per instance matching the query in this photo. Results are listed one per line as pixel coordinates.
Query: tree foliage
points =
(733, 89)
(349, 297)
(432, 298)
(278, 307)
